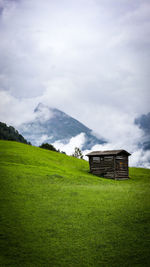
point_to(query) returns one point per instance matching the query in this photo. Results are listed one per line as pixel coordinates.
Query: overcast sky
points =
(89, 58)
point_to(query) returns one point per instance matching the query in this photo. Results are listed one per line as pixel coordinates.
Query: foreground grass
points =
(54, 213)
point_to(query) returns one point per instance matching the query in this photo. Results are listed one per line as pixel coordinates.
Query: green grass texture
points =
(53, 212)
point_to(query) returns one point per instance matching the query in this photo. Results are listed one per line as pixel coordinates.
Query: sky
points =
(89, 58)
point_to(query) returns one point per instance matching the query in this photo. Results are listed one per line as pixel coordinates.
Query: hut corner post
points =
(114, 167)
(90, 164)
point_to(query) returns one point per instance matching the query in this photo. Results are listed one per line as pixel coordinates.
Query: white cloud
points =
(68, 50)
(76, 141)
(43, 113)
(140, 158)
(42, 139)
(15, 111)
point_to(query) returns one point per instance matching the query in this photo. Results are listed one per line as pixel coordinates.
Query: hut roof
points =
(107, 153)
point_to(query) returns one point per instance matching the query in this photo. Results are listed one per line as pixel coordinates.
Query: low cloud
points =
(76, 141)
(42, 139)
(140, 158)
(15, 111)
(43, 113)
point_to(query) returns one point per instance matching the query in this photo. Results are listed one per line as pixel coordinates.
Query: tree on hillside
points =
(11, 134)
(77, 153)
(49, 147)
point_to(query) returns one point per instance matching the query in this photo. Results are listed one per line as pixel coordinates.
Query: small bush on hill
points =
(63, 152)
(77, 153)
(49, 147)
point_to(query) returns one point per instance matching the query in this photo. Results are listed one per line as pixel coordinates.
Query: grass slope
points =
(54, 213)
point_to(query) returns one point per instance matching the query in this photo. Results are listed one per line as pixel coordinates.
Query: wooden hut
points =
(109, 164)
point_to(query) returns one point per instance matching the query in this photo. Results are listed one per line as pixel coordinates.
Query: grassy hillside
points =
(54, 213)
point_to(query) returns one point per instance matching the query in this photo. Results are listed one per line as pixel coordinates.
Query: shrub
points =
(77, 153)
(48, 146)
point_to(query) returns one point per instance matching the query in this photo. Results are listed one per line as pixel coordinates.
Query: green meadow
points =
(53, 212)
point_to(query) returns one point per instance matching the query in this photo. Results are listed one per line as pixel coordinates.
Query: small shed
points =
(109, 164)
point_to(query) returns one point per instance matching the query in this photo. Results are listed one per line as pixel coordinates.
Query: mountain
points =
(10, 133)
(51, 125)
(143, 122)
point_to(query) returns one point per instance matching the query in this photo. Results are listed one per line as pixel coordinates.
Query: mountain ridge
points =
(51, 125)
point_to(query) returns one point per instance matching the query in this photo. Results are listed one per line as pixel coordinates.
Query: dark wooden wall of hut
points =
(114, 167)
(104, 167)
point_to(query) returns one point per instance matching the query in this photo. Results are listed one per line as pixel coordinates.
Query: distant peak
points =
(44, 109)
(43, 112)
(40, 106)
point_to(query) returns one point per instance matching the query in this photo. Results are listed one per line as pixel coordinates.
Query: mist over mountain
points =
(144, 123)
(53, 125)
